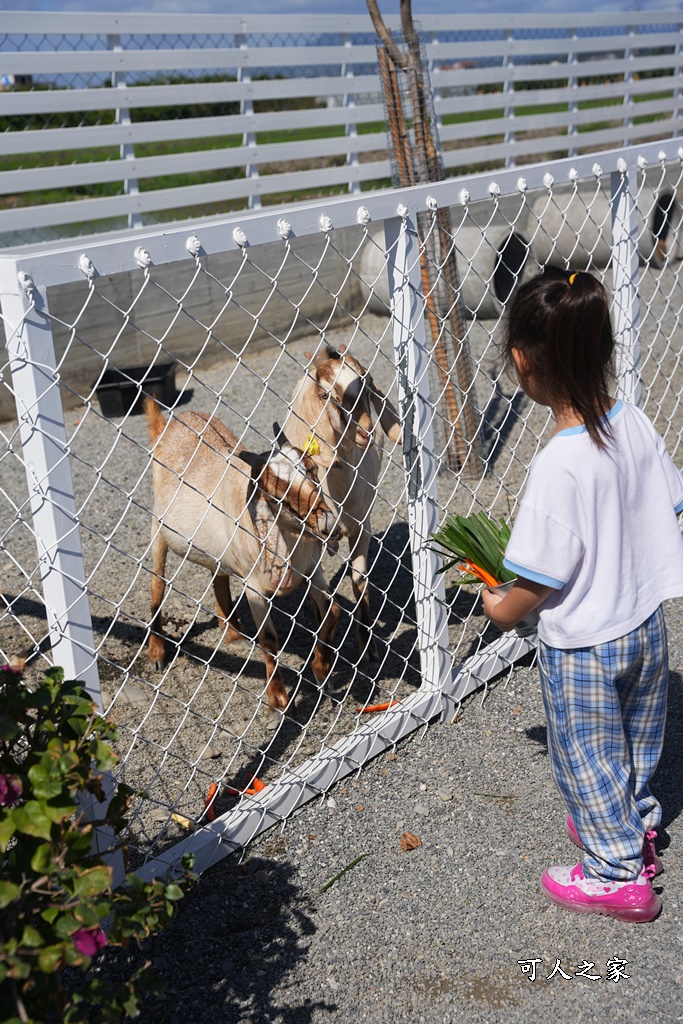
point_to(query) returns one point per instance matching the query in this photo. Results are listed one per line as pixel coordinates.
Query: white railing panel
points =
(307, 61)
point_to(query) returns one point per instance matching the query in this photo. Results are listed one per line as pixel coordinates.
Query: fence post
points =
(417, 415)
(251, 171)
(626, 307)
(122, 116)
(351, 129)
(45, 454)
(572, 89)
(509, 93)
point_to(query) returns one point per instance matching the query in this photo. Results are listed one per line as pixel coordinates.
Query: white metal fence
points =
(111, 120)
(76, 490)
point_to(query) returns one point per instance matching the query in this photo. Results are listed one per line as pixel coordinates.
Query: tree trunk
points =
(440, 279)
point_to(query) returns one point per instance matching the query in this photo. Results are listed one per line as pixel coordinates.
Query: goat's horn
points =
(281, 438)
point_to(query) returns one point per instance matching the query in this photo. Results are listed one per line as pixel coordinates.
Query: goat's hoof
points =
(233, 635)
(232, 629)
(370, 655)
(277, 701)
(158, 661)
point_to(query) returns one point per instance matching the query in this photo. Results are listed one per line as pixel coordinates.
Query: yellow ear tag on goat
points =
(312, 446)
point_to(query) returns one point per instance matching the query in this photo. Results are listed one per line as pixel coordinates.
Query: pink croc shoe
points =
(634, 901)
(650, 858)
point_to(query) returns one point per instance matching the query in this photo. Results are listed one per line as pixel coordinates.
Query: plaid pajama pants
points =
(606, 707)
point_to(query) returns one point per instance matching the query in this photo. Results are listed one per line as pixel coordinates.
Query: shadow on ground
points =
(240, 933)
(667, 782)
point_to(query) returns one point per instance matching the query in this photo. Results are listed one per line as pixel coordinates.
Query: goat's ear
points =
(279, 435)
(388, 417)
(282, 441)
(254, 461)
(317, 359)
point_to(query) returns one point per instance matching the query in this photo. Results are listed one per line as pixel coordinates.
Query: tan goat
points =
(332, 419)
(261, 518)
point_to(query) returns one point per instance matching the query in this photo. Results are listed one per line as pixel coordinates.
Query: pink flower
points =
(89, 941)
(10, 790)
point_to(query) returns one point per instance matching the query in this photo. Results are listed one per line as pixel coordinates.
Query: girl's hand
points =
(505, 611)
(490, 602)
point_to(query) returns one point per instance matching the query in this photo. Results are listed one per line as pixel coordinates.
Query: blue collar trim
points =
(581, 427)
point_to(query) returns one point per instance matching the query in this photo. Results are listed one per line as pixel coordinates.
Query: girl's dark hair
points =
(560, 322)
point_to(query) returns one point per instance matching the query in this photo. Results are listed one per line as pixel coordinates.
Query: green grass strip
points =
(343, 871)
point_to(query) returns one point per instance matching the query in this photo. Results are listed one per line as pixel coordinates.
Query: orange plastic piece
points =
(255, 787)
(208, 803)
(376, 707)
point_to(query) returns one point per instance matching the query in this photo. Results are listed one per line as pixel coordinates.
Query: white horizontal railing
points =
(524, 88)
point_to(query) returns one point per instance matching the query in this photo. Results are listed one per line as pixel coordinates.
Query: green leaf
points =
(31, 937)
(478, 538)
(59, 808)
(42, 860)
(45, 784)
(91, 882)
(32, 820)
(65, 925)
(50, 958)
(78, 842)
(89, 916)
(7, 830)
(8, 892)
(104, 756)
(49, 914)
(173, 892)
(132, 1005)
(8, 728)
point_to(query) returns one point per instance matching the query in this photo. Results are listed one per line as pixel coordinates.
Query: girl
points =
(597, 547)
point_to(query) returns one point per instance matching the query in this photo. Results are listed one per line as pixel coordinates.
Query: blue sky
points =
(348, 6)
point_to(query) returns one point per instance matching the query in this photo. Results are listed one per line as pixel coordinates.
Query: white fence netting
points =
(259, 322)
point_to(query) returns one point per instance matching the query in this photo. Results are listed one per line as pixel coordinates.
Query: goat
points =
(331, 418)
(261, 518)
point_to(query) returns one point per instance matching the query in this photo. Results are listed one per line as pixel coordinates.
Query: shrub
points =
(57, 905)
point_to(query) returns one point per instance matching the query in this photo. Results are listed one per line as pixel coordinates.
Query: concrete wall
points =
(230, 304)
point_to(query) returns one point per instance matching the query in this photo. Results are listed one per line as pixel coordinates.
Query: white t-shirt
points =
(600, 527)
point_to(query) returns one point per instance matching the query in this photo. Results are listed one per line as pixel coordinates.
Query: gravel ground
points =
(435, 934)
(204, 719)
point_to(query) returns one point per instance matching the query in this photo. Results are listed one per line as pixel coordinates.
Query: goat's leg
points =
(156, 648)
(359, 545)
(327, 614)
(226, 609)
(267, 638)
